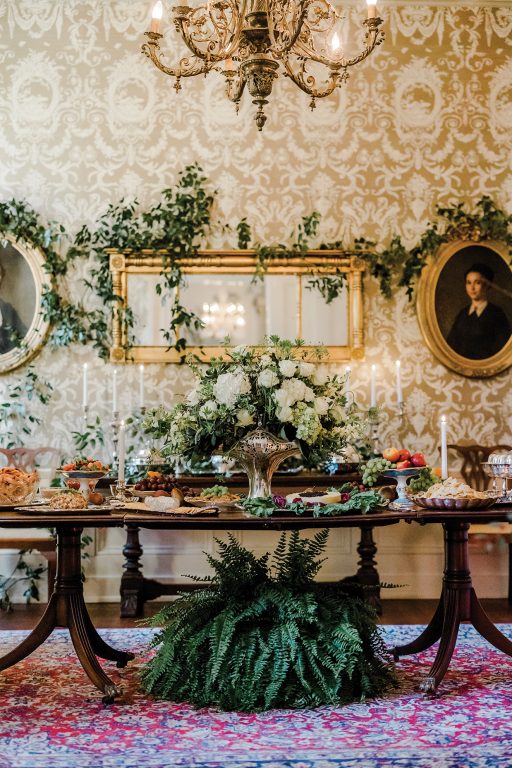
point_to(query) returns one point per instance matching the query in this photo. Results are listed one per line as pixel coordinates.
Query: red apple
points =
(391, 454)
(405, 455)
(403, 464)
(418, 460)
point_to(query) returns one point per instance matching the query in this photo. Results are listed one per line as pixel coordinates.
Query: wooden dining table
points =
(66, 608)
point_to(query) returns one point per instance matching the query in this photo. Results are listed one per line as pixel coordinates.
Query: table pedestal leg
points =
(458, 603)
(67, 609)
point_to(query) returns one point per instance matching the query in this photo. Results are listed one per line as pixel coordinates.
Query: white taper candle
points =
(141, 386)
(444, 449)
(121, 448)
(373, 387)
(84, 387)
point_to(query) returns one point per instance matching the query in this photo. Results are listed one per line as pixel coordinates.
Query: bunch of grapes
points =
(424, 480)
(373, 468)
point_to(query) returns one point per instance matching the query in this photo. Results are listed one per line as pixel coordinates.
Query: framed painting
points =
(22, 328)
(465, 307)
(220, 288)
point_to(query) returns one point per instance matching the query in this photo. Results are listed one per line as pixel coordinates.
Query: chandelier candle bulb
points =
(141, 386)
(372, 9)
(114, 390)
(399, 396)
(84, 386)
(156, 16)
(373, 387)
(121, 447)
(444, 449)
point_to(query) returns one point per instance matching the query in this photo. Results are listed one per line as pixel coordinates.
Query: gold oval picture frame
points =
(443, 305)
(22, 326)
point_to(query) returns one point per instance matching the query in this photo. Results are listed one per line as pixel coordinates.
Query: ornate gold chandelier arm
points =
(373, 38)
(283, 33)
(308, 82)
(186, 67)
(208, 31)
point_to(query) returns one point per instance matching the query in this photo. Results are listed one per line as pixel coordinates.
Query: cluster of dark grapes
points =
(160, 482)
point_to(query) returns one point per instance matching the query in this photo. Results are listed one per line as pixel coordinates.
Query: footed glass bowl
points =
(402, 476)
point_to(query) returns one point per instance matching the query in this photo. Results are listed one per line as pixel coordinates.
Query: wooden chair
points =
(29, 459)
(473, 474)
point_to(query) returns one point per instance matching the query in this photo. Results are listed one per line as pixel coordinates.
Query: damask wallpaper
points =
(85, 119)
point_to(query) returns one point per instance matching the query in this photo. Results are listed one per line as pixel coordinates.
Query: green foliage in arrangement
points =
(264, 634)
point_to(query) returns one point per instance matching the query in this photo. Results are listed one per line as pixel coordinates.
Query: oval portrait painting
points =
(465, 308)
(21, 278)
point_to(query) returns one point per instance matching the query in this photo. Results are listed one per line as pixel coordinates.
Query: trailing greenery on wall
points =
(264, 634)
(178, 224)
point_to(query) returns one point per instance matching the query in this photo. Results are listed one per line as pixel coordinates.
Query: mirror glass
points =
(246, 310)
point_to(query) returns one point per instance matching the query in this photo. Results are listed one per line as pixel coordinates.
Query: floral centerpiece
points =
(274, 390)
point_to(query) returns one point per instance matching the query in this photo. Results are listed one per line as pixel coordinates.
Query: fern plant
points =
(263, 634)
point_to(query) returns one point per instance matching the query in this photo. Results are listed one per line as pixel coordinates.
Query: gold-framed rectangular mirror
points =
(222, 289)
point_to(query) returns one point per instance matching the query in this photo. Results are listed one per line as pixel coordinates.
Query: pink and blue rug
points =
(52, 717)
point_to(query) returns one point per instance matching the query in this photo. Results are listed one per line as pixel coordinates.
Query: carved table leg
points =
(67, 609)
(428, 637)
(132, 580)
(458, 603)
(367, 574)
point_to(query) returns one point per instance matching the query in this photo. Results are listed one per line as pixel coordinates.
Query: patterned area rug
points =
(52, 716)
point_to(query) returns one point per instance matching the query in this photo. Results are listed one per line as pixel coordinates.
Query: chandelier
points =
(250, 41)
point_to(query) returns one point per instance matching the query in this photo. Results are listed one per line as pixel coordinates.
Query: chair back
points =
(472, 457)
(29, 459)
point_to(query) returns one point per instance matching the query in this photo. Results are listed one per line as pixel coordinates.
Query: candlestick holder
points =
(120, 492)
(374, 422)
(85, 414)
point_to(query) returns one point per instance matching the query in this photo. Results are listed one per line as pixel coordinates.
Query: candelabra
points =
(374, 421)
(254, 40)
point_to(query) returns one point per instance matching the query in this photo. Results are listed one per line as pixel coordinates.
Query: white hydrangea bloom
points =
(306, 369)
(288, 368)
(265, 361)
(285, 414)
(229, 386)
(336, 413)
(268, 378)
(193, 397)
(320, 375)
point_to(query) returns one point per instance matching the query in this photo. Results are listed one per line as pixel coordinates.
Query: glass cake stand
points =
(402, 476)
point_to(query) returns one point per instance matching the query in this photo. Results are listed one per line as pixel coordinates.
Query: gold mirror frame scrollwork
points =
(428, 320)
(39, 327)
(316, 262)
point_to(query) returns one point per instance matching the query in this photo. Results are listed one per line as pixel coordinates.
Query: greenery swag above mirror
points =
(179, 224)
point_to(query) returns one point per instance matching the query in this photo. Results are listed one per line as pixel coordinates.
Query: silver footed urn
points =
(260, 453)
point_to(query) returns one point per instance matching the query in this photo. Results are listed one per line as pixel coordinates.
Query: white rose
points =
(208, 408)
(320, 376)
(321, 406)
(308, 395)
(287, 368)
(244, 418)
(306, 369)
(265, 361)
(268, 378)
(285, 413)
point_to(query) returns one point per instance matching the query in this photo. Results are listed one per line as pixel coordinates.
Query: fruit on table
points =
(156, 481)
(81, 464)
(418, 460)
(405, 455)
(403, 464)
(391, 454)
(96, 498)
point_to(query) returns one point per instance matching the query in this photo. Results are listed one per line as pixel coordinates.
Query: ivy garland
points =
(179, 222)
